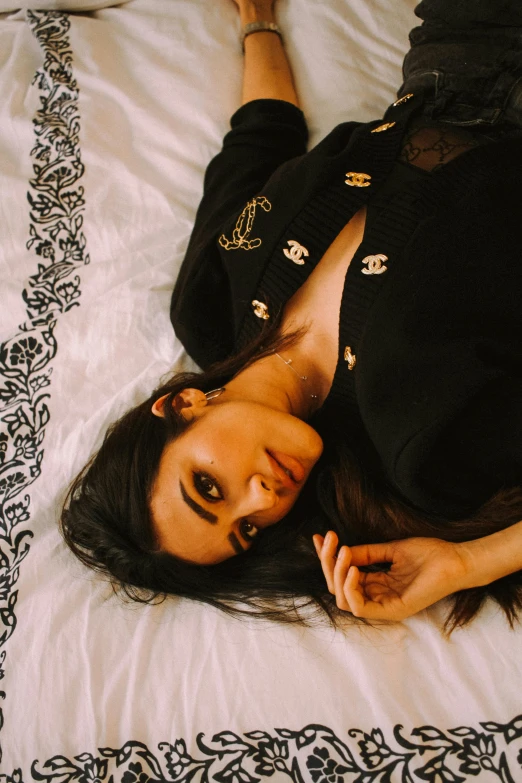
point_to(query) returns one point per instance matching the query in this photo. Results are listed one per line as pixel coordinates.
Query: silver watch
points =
(259, 27)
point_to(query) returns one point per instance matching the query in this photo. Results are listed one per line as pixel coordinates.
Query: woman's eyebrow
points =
(208, 516)
(238, 549)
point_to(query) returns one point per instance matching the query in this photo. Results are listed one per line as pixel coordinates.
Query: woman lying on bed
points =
(356, 313)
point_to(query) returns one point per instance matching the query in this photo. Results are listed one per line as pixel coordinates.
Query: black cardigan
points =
(437, 335)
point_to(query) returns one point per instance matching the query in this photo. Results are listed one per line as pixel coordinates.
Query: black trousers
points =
(467, 59)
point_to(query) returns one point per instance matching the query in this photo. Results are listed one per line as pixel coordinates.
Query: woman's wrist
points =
(492, 557)
(473, 574)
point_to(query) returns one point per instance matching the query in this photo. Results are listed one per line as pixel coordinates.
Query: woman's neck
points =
(286, 380)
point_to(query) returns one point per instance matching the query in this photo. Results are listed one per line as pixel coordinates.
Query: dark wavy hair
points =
(106, 519)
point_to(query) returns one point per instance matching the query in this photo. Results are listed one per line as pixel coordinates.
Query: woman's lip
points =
(278, 473)
(288, 465)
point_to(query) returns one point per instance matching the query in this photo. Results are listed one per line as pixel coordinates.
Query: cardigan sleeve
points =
(481, 450)
(264, 135)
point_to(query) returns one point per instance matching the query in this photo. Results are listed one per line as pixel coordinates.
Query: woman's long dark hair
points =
(107, 523)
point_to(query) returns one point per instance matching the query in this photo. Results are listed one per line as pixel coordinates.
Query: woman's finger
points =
(318, 543)
(367, 554)
(354, 592)
(328, 559)
(361, 603)
(340, 574)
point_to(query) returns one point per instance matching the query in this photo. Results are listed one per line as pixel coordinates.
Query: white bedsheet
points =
(96, 690)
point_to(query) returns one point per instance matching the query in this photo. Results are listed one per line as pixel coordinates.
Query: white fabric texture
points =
(95, 689)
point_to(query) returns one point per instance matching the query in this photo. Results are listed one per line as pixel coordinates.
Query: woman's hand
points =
(421, 572)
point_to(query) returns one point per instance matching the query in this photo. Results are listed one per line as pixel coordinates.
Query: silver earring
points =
(211, 395)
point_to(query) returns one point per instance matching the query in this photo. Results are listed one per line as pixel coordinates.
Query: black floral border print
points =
(488, 753)
(56, 201)
(315, 754)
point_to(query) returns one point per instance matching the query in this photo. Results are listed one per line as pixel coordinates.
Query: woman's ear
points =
(157, 408)
(188, 402)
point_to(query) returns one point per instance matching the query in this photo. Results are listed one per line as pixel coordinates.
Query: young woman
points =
(355, 310)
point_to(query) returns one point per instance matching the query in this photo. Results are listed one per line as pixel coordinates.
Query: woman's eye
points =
(248, 530)
(207, 487)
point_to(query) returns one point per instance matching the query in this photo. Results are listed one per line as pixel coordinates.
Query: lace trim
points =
(430, 146)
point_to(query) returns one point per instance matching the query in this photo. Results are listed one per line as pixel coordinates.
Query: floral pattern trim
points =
(56, 202)
(314, 754)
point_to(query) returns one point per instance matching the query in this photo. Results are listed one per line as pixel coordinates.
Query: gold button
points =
(260, 309)
(350, 357)
(403, 99)
(385, 127)
(357, 179)
(375, 264)
(296, 252)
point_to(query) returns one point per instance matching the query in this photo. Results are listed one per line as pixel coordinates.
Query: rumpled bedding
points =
(107, 122)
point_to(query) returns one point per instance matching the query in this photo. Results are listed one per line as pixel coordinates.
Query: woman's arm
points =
(422, 571)
(265, 135)
(492, 557)
(267, 72)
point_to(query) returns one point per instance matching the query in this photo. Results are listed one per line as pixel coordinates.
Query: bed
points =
(109, 116)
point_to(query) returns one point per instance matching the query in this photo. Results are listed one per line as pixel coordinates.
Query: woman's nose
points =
(262, 494)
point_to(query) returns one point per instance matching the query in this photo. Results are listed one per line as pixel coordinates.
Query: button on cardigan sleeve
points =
(264, 134)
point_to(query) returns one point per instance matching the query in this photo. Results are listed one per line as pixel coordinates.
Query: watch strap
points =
(259, 27)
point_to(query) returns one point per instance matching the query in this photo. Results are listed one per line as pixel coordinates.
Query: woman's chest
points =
(316, 305)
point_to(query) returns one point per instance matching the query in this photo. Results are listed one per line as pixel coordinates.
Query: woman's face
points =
(237, 469)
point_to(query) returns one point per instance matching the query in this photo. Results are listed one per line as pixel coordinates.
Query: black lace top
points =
(427, 147)
(431, 145)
